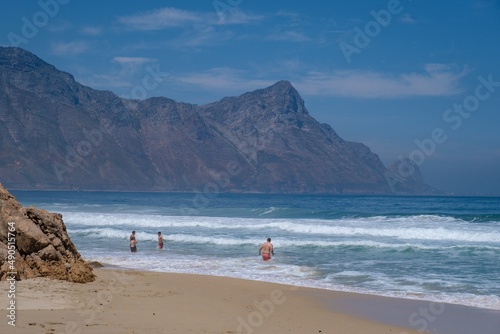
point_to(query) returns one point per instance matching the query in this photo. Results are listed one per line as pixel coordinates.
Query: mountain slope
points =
(58, 134)
(286, 147)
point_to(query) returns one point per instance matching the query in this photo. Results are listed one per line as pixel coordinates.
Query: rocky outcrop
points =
(58, 134)
(42, 245)
(403, 176)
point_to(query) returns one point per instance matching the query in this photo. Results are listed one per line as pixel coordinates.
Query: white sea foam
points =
(423, 239)
(403, 228)
(110, 233)
(435, 257)
(275, 271)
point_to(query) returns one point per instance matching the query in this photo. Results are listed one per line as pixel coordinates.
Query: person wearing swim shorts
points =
(133, 243)
(266, 249)
(160, 241)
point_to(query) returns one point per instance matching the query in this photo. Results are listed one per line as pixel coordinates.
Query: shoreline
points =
(421, 315)
(123, 300)
(412, 297)
(265, 193)
(127, 301)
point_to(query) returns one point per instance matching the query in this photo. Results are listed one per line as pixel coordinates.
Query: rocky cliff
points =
(38, 244)
(58, 134)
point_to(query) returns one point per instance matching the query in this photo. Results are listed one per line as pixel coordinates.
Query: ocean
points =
(442, 249)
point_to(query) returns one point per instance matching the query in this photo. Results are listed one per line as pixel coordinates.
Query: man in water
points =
(160, 241)
(133, 243)
(267, 249)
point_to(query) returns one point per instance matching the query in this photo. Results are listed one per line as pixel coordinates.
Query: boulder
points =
(42, 245)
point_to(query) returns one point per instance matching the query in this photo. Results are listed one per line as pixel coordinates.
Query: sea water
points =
(444, 249)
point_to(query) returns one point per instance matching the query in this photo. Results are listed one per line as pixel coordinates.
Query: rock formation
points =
(403, 176)
(58, 134)
(42, 245)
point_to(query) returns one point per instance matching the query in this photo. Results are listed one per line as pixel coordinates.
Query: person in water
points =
(133, 243)
(160, 241)
(266, 249)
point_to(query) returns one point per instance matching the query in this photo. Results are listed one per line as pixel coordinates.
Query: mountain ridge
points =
(58, 134)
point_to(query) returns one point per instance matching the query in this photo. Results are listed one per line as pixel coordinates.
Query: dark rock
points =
(95, 264)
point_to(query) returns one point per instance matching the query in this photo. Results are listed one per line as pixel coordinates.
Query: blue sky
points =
(384, 73)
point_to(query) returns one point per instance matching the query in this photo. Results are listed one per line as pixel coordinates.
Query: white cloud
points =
(287, 13)
(130, 67)
(289, 36)
(91, 30)
(122, 72)
(436, 80)
(166, 18)
(202, 36)
(71, 48)
(406, 18)
(105, 81)
(236, 16)
(223, 79)
(160, 19)
(133, 60)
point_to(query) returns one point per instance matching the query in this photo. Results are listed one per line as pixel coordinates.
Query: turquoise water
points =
(443, 249)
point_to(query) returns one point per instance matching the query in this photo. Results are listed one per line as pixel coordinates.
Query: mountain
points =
(58, 134)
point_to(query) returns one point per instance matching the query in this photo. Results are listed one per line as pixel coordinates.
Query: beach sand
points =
(126, 301)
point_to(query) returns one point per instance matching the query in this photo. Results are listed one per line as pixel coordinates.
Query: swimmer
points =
(160, 241)
(267, 249)
(133, 243)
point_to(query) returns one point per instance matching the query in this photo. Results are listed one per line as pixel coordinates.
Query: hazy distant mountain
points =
(58, 134)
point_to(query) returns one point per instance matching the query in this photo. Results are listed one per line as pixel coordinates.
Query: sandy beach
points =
(125, 301)
(149, 302)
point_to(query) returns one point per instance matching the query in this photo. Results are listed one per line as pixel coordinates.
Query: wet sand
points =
(424, 316)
